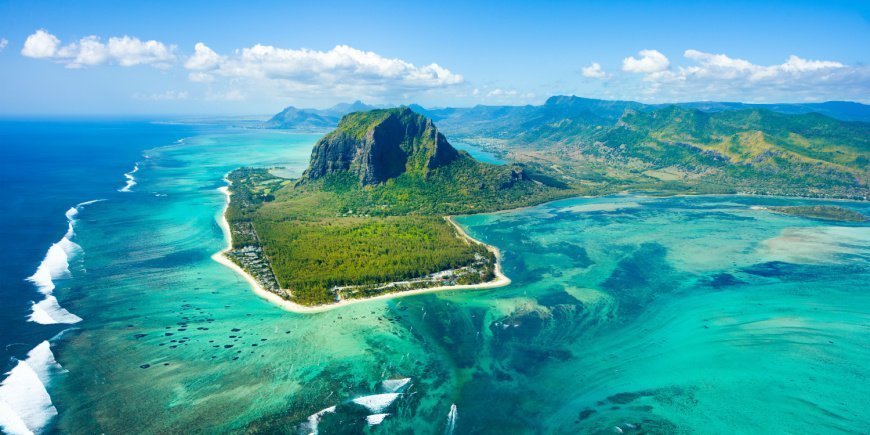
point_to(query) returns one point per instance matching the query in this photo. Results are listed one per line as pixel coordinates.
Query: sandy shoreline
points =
(220, 257)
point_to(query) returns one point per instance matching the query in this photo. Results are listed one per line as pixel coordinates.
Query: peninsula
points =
(370, 216)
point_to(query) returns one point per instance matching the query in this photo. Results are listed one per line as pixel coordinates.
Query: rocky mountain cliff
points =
(379, 145)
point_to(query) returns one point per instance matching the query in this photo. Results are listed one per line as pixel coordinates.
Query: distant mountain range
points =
(555, 107)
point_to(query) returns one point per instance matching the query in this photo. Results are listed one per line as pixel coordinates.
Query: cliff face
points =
(379, 145)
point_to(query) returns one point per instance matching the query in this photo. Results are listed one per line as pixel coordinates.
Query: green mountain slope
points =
(591, 144)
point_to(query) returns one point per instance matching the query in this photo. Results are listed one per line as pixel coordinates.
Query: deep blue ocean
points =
(46, 168)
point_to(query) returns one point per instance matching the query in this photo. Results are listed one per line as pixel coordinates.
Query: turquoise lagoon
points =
(626, 314)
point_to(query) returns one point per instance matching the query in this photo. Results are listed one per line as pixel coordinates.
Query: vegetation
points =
(334, 234)
(596, 145)
(823, 212)
(368, 211)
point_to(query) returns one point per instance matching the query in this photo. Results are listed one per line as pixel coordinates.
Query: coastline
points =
(500, 279)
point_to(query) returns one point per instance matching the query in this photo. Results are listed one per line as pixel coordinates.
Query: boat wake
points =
(131, 180)
(451, 420)
(25, 406)
(55, 266)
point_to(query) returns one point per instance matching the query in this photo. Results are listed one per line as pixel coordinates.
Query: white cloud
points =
(650, 61)
(498, 92)
(503, 95)
(200, 77)
(162, 96)
(720, 66)
(231, 95)
(40, 45)
(203, 58)
(3, 43)
(594, 71)
(719, 76)
(343, 70)
(90, 50)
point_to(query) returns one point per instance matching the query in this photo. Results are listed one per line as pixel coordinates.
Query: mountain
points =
(307, 119)
(812, 147)
(842, 110)
(314, 119)
(379, 145)
(559, 111)
(342, 109)
(367, 216)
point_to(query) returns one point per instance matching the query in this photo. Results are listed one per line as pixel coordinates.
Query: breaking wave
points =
(55, 265)
(376, 403)
(376, 419)
(25, 405)
(394, 385)
(131, 180)
(310, 425)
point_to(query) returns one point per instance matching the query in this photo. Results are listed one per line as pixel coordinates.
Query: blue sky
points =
(164, 57)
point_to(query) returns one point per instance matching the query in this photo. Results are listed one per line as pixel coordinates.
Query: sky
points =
(254, 58)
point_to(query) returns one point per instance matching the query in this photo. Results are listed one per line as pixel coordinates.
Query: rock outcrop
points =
(379, 145)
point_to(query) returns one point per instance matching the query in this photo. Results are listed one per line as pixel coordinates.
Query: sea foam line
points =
(131, 180)
(25, 405)
(55, 265)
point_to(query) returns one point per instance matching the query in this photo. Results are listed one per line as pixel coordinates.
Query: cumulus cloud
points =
(721, 66)
(40, 45)
(718, 76)
(3, 43)
(343, 69)
(594, 71)
(203, 58)
(91, 50)
(650, 61)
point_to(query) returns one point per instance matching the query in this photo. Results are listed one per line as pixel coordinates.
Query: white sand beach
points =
(500, 279)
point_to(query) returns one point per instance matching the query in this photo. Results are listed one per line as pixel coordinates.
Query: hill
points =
(367, 216)
(605, 145)
(314, 119)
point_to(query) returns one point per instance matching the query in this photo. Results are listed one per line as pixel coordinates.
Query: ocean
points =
(626, 313)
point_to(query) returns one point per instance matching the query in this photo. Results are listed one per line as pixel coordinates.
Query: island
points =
(822, 212)
(370, 217)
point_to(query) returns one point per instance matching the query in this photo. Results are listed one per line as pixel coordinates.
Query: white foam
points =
(451, 420)
(393, 385)
(131, 180)
(376, 419)
(25, 406)
(310, 426)
(377, 402)
(54, 266)
(49, 312)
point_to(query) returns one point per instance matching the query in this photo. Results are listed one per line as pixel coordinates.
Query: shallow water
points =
(675, 314)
